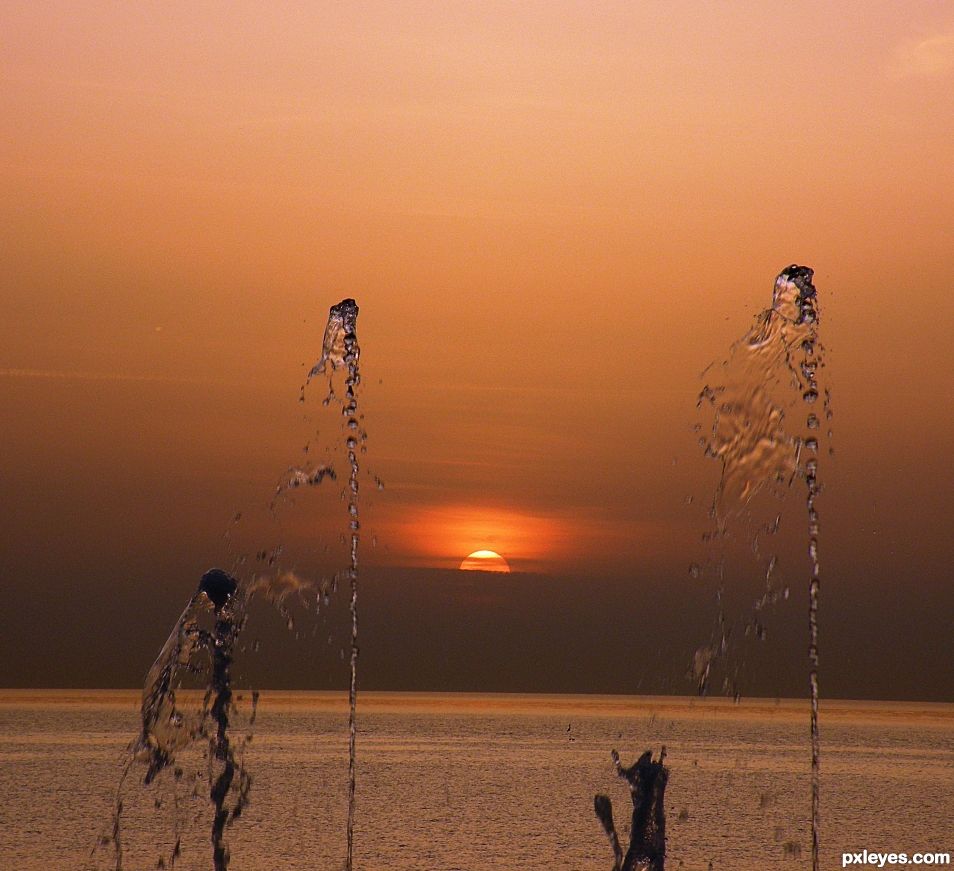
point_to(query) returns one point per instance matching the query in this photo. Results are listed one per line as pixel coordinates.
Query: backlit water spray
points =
(771, 374)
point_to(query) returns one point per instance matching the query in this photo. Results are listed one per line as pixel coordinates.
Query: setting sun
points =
(484, 561)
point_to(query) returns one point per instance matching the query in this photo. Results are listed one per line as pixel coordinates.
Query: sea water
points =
(494, 782)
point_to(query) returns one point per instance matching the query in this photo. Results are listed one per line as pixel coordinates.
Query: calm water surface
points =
(484, 782)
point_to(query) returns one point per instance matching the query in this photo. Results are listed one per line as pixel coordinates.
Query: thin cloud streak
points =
(930, 57)
(70, 375)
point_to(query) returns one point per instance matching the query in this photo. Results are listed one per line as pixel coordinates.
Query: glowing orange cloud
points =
(484, 561)
(442, 536)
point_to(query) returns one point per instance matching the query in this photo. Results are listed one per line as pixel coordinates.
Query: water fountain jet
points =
(772, 370)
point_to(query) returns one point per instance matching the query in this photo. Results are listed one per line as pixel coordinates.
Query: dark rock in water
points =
(219, 586)
(647, 779)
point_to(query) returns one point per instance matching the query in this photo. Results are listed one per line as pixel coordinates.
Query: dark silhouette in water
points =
(647, 779)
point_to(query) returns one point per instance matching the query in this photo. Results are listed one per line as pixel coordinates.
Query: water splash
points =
(647, 779)
(750, 396)
(769, 374)
(340, 350)
(305, 476)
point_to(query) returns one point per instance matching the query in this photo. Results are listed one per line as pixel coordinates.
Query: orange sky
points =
(553, 215)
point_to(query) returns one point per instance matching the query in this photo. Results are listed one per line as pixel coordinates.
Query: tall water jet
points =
(808, 366)
(773, 370)
(340, 349)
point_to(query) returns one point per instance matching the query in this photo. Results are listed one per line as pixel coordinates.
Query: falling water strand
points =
(352, 353)
(808, 316)
(220, 589)
(743, 407)
(340, 348)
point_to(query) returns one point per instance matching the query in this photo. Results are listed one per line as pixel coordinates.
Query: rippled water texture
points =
(464, 782)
